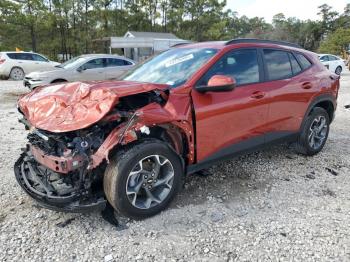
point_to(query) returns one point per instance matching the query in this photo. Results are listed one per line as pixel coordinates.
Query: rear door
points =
(232, 121)
(41, 63)
(292, 83)
(22, 60)
(94, 69)
(116, 67)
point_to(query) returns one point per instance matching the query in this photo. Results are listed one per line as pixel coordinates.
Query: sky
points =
(302, 9)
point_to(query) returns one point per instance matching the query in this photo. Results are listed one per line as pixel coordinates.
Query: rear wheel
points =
(338, 70)
(17, 73)
(314, 133)
(141, 180)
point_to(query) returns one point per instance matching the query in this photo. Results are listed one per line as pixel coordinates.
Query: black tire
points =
(303, 145)
(17, 73)
(117, 173)
(58, 81)
(338, 70)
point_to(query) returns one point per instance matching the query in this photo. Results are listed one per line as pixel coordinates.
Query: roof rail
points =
(254, 40)
(178, 44)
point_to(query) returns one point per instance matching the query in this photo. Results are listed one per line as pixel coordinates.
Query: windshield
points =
(172, 67)
(72, 63)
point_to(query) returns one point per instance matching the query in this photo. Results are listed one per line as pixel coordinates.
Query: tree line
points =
(55, 27)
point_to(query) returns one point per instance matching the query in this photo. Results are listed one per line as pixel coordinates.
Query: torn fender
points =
(151, 115)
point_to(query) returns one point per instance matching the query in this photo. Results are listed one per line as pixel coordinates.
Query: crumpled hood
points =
(73, 106)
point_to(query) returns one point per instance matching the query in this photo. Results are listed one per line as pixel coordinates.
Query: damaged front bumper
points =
(72, 192)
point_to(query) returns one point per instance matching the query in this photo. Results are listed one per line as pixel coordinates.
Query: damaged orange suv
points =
(131, 142)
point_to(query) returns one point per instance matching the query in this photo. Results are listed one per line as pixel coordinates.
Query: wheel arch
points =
(16, 66)
(168, 133)
(325, 101)
(58, 80)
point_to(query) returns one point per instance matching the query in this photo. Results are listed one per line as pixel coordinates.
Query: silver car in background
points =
(81, 68)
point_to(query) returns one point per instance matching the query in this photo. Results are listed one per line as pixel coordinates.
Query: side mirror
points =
(218, 83)
(81, 69)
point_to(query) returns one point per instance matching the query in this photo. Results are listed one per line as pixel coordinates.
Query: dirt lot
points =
(267, 206)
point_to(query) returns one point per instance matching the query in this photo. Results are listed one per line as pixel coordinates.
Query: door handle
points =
(257, 95)
(306, 85)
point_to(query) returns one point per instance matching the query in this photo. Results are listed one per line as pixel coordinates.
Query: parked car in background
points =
(334, 63)
(82, 68)
(15, 65)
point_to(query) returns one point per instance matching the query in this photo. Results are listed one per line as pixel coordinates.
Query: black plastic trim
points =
(319, 99)
(243, 147)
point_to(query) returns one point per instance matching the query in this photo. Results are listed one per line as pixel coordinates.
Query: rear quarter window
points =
(303, 61)
(296, 68)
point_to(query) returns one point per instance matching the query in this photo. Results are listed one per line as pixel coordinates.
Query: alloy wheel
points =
(317, 132)
(17, 74)
(150, 181)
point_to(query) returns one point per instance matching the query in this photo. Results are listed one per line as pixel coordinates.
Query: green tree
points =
(337, 42)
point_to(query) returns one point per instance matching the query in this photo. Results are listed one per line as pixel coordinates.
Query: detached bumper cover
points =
(34, 180)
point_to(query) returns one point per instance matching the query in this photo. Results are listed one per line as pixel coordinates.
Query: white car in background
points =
(15, 65)
(334, 63)
(82, 68)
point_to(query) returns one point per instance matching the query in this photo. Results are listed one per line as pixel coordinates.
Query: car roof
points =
(327, 54)
(242, 43)
(92, 56)
(102, 55)
(20, 52)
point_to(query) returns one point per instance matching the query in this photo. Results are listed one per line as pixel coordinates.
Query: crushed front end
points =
(53, 169)
(73, 129)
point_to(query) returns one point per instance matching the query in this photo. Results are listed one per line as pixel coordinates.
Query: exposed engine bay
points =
(64, 170)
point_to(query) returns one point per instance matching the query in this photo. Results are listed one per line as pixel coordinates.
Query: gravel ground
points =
(267, 206)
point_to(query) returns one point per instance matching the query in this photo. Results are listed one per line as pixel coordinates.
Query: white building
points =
(138, 46)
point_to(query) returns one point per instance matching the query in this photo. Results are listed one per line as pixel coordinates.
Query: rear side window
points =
(117, 62)
(239, 64)
(20, 56)
(304, 62)
(278, 64)
(12, 55)
(333, 58)
(296, 68)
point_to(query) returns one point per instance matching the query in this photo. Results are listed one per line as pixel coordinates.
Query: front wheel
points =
(314, 132)
(141, 180)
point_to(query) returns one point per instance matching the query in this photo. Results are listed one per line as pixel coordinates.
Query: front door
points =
(91, 70)
(40, 63)
(231, 121)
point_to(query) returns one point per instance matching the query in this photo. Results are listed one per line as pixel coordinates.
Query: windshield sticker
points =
(179, 60)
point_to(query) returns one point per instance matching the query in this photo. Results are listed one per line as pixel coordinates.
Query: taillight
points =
(2, 61)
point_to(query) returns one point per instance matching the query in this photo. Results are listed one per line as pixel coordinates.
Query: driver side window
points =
(93, 64)
(242, 65)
